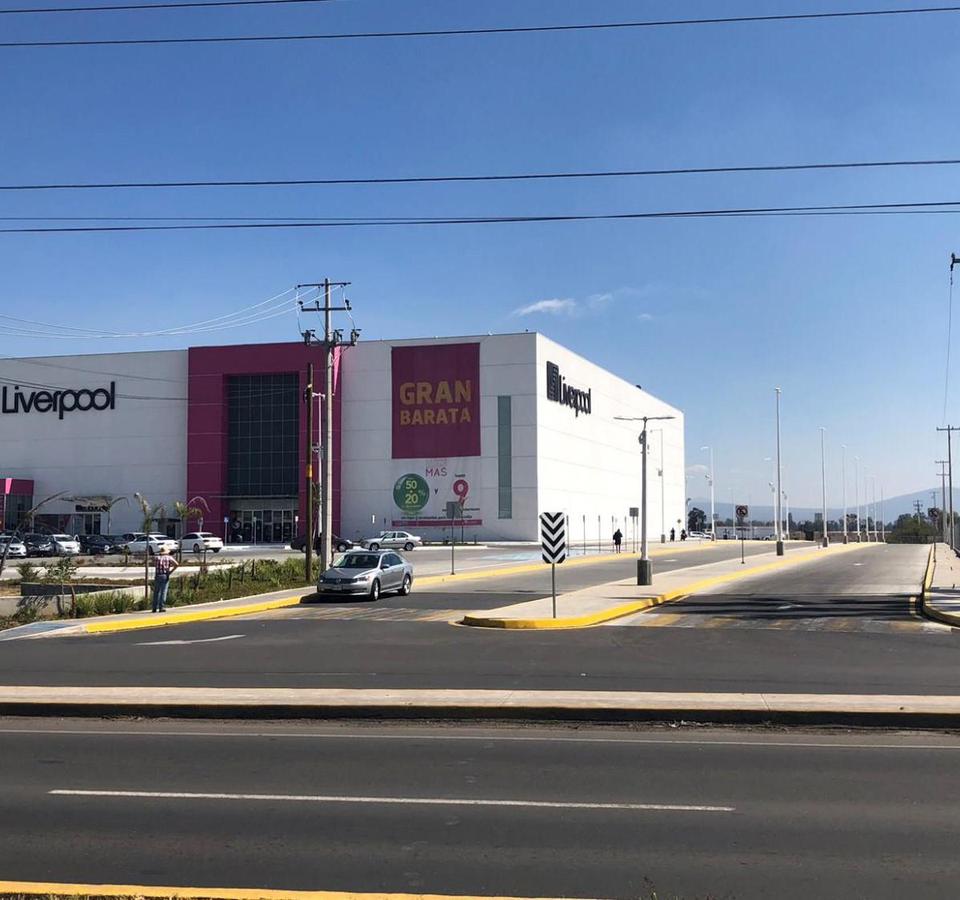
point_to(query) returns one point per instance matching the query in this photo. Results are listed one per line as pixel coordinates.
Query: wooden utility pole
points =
(308, 475)
(331, 338)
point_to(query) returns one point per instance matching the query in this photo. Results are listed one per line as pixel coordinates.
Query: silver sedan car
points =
(367, 573)
(399, 540)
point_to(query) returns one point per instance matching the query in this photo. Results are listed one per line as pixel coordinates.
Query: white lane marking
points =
(226, 637)
(406, 801)
(673, 742)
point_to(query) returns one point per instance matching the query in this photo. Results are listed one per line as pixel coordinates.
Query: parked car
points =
(339, 544)
(39, 544)
(367, 573)
(139, 542)
(198, 541)
(15, 548)
(65, 545)
(99, 544)
(392, 540)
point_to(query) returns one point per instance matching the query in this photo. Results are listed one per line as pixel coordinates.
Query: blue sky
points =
(847, 315)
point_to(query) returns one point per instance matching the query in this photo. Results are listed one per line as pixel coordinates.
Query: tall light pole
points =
(883, 526)
(823, 485)
(776, 498)
(660, 472)
(856, 491)
(943, 502)
(779, 473)
(644, 566)
(843, 487)
(713, 517)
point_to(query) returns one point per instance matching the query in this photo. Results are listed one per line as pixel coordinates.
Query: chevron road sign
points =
(553, 537)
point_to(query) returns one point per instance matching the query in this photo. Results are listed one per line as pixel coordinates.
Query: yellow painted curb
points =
(198, 615)
(643, 604)
(213, 893)
(931, 612)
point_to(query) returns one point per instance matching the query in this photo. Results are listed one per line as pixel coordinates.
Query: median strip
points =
(511, 617)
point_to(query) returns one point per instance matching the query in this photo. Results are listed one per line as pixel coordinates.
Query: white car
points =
(15, 548)
(392, 540)
(155, 541)
(65, 545)
(198, 541)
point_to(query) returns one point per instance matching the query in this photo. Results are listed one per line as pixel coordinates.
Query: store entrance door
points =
(267, 526)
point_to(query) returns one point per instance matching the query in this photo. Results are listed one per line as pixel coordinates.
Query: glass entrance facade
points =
(266, 526)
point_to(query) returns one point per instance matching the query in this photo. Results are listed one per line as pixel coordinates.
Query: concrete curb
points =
(915, 711)
(645, 603)
(926, 609)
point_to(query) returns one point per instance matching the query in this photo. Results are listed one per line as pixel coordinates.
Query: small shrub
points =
(28, 571)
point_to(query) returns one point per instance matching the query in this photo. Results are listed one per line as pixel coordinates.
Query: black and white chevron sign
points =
(553, 537)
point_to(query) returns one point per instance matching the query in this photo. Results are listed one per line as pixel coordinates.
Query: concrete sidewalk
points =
(605, 602)
(602, 706)
(941, 596)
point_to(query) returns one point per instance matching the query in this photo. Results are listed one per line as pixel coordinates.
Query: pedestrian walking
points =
(617, 540)
(673, 535)
(163, 567)
(683, 534)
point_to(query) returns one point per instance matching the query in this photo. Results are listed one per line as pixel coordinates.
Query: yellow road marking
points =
(641, 605)
(214, 893)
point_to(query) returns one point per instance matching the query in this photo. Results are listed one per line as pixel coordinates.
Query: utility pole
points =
(713, 516)
(308, 476)
(950, 429)
(332, 338)
(856, 491)
(943, 502)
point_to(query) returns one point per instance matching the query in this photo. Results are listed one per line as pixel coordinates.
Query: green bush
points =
(28, 571)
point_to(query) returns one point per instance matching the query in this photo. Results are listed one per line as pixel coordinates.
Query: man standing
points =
(617, 539)
(163, 565)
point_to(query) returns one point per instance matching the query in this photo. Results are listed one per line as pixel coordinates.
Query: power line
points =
(518, 176)
(476, 32)
(912, 208)
(135, 6)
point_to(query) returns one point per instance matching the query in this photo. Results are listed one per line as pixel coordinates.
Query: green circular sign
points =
(411, 493)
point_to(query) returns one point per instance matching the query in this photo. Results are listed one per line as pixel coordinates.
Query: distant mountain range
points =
(892, 507)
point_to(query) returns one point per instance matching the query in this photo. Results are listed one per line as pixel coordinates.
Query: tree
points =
(190, 509)
(149, 513)
(27, 520)
(696, 520)
(911, 530)
(109, 505)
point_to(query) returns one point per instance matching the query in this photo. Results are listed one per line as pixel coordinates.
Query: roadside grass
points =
(257, 576)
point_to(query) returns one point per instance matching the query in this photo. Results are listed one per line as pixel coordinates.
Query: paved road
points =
(870, 591)
(277, 652)
(589, 813)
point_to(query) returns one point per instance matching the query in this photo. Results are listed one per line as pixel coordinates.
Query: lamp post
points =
(843, 487)
(823, 485)
(856, 491)
(644, 566)
(663, 520)
(713, 517)
(779, 474)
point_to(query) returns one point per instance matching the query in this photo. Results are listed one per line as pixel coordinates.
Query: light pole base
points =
(779, 548)
(644, 572)
(826, 541)
(846, 540)
(663, 538)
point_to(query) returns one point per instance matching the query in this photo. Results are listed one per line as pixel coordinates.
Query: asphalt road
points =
(378, 653)
(586, 812)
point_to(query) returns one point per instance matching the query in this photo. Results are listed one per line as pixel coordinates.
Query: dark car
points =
(99, 544)
(339, 544)
(39, 544)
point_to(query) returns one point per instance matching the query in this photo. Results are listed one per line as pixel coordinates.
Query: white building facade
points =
(503, 426)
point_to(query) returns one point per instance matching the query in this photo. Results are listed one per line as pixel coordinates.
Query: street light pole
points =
(663, 520)
(713, 517)
(856, 491)
(779, 488)
(823, 485)
(644, 566)
(843, 487)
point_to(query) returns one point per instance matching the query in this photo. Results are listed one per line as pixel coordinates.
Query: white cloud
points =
(555, 307)
(644, 316)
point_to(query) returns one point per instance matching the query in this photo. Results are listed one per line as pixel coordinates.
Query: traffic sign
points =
(743, 511)
(553, 537)
(634, 512)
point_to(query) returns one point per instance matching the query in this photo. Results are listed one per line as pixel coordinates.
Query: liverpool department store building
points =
(509, 425)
